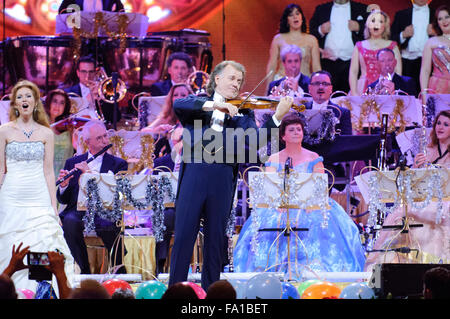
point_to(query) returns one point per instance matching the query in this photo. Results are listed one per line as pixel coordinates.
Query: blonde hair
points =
(39, 114)
(387, 25)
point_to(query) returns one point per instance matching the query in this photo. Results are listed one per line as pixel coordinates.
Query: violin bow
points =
(256, 87)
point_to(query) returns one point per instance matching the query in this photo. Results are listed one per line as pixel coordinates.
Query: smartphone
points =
(36, 266)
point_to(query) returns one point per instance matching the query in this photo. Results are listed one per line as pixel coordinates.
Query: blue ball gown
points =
(335, 248)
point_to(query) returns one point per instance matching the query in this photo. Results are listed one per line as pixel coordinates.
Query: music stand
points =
(404, 188)
(112, 196)
(290, 190)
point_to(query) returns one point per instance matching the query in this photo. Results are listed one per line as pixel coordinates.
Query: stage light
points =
(18, 13)
(156, 13)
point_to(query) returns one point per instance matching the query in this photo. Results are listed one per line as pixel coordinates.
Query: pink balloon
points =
(25, 293)
(201, 294)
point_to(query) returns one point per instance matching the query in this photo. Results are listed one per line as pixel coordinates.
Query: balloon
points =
(239, 286)
(321, 290)
(263, 286)
(24, 293)
(112, 285)
(152, 289)
(357, 290)
(201, 294)
(289, 291)
(305, 284)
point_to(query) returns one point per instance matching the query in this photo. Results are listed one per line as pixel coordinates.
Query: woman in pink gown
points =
(431, 241)
(436, 56)
(377, 33)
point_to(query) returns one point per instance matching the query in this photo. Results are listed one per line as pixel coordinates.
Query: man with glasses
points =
(320, 89)
(87, 88)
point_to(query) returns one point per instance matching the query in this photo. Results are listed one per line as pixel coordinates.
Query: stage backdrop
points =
(246, 31)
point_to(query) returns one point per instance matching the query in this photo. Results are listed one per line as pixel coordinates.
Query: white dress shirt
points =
(339, 39)
(420, 21)
(317, 106)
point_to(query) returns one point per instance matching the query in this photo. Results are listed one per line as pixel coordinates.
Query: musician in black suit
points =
(295, 82)
(87, 87)
(338, 25)
(387, 62)
(93, 5)
(96, 137)
(411, 29)
(179, 65)
(207, 179)
(320, 89)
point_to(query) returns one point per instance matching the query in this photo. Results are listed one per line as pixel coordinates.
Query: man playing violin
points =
(206, 188)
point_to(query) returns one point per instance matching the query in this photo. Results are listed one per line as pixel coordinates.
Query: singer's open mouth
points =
(25, 106)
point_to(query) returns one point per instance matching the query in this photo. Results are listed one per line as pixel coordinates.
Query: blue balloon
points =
(289, 291)
(357, 290)
(264, 286)
(150, 290)
(240, 287)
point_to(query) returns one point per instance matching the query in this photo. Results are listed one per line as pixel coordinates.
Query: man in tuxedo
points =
(179, 65)
(96, 137)
(411, 29)
(92, 5)
(207, 179)
(387, 62)
(87, 88)
(338, 25)
(320, 89)
(294, 83)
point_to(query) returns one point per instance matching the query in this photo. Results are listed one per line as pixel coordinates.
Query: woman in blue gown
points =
(335, 247)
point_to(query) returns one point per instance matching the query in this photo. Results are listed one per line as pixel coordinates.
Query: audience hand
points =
(16, 261)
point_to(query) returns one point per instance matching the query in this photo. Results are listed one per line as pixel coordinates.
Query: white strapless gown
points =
(26, 213)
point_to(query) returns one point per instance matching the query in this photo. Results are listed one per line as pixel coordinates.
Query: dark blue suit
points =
(161, 88)
(106, 108)
(404, 83)
(205, 190)
(72, 218)
(107, 4)
(345, 121)
(303, 82)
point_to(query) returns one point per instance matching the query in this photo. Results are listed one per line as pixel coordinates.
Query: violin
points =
(261, 102)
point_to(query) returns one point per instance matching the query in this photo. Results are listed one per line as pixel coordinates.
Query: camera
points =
(36, 266)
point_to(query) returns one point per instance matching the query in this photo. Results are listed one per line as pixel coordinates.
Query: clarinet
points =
(90, 159)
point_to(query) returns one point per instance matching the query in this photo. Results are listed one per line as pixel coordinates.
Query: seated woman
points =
(336, 247)
(376, 33)
(293, 31)
(433, 238)
(166, 119)
(57, 105)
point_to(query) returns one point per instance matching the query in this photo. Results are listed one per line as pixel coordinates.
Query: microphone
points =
(90, 159)
(287, 165)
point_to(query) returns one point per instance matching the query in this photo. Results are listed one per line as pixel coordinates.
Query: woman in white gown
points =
(27, 193)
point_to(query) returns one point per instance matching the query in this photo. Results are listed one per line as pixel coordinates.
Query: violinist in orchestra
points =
(295, 83)
(93, 5)
(179, 65)
(96, 138)
(57, 105)
(206, 185)
(87, 88)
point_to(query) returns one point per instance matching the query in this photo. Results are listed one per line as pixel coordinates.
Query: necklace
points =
(27, 134)
(447, 36)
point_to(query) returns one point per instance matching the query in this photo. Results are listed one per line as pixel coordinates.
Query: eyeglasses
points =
(87, 72)
(320, 83)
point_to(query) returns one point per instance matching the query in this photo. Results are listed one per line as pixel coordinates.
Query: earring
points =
(16, 112)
